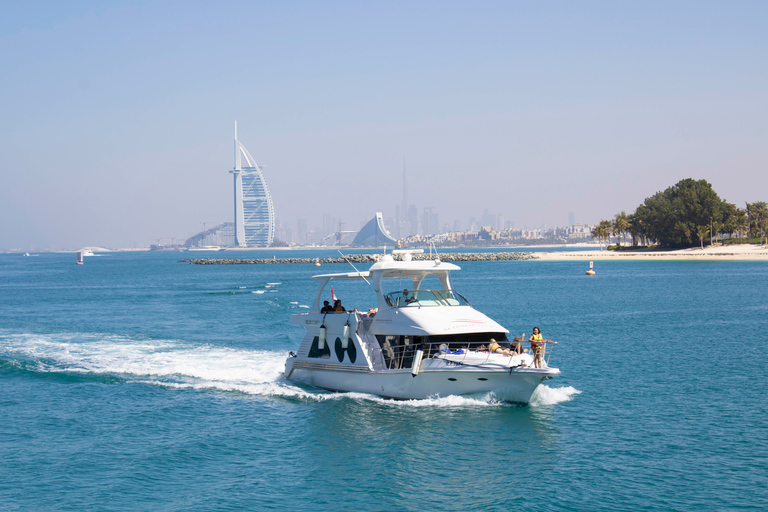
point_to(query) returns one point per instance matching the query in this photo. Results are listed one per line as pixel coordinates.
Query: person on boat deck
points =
(537, 344)
(337, 307)
(326, 307)
(495, 348)
(517, 346)
(408, 299)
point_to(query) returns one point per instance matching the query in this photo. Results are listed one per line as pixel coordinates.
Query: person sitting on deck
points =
(326, 307)
(337, 307)
(517, 346)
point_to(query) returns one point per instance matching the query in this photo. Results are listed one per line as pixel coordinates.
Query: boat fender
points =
(417, 362)
(353, 323)
(345, 336)
(322, 334)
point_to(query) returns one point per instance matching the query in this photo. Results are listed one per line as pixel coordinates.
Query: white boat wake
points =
(183, 365)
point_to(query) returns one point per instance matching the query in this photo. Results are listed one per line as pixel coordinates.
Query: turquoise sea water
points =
(135, 382)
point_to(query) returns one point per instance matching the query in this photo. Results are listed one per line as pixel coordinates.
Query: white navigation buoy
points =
(590, 272)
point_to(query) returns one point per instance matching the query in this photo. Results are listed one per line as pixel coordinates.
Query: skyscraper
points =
(405, 225)
(254, 213)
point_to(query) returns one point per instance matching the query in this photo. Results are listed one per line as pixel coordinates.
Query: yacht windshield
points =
(422, 298)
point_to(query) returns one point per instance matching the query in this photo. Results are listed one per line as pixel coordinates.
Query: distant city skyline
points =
(117, 117)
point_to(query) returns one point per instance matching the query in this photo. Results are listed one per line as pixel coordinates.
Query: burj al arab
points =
(254, 213)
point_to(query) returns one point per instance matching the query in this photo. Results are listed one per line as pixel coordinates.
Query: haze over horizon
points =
(118, 118)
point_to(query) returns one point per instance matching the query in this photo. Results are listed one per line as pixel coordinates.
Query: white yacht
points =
(87, 252)
(422, 342)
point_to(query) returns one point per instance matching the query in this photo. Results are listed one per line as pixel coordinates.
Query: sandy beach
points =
(722, 252)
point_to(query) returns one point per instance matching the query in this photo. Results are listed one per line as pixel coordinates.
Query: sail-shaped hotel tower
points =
(254, 213)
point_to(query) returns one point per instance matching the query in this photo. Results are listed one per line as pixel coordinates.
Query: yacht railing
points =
(397, 357)
(425, 298)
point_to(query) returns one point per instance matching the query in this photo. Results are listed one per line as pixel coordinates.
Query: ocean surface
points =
(134, 382)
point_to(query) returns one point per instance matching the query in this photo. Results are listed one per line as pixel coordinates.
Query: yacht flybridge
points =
(420, 343)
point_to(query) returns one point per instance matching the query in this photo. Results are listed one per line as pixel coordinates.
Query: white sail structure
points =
(254, 213)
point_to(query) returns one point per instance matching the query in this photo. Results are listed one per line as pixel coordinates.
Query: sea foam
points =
(544, 395)
(184, 365)
(161, 362)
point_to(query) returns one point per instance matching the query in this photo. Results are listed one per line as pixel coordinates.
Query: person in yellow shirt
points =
(537, 345)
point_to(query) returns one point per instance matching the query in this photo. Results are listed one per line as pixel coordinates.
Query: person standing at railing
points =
(537, 345)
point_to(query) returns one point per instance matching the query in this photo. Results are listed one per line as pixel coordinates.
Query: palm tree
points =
(702, 231)
(635, 225)
(742, 223)
(620, 225)
(597, 232)
(605, 227)
(717, 227)
(758, 214)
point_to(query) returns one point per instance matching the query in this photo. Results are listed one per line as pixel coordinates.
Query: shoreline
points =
(741, 252)
(736, 252)
(720, 253)
(364, 258)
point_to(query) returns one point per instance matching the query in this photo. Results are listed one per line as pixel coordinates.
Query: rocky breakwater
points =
(369, 258)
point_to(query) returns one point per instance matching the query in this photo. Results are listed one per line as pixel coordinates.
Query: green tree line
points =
(684, 215)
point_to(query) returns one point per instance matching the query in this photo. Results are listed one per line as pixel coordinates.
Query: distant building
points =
(580, 231)
(429, 222)
(374, 233)
(489, 233)
(254, 213)
(222, 235)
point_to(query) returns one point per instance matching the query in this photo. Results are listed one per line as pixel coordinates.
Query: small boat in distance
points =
(423, 340)
(87, 252)
(206, 248)
(80, 257)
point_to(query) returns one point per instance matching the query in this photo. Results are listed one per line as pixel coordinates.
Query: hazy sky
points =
(116, 119)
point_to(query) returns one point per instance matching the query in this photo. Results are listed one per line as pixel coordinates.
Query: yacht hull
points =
(512, 385)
